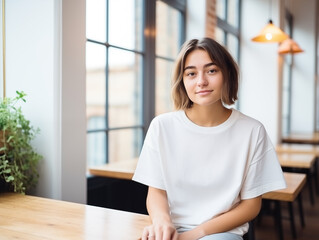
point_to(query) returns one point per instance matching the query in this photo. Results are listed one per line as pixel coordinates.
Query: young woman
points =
(206, 164)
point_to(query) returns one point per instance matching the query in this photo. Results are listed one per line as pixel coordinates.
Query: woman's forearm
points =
(157, 204)
(245, 211)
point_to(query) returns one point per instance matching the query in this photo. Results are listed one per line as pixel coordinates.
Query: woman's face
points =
(203, 80)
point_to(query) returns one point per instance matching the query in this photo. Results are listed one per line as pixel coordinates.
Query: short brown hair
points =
(221, 58)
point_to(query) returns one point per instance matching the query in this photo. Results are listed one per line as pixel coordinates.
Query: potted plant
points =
(18, 159)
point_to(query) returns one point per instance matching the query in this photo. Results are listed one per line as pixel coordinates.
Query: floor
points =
(265, 228)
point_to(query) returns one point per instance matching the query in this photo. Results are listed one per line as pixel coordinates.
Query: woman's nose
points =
(202, 81)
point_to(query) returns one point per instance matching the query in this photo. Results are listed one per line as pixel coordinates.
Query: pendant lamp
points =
(270, 33)
(289, 46)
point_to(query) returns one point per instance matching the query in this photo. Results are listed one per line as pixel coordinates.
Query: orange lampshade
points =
(270, 33)
(289, 46)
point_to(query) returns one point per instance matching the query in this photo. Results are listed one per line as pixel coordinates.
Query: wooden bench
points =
(295, 183)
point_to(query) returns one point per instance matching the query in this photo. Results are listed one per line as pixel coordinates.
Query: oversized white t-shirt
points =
(206, 171)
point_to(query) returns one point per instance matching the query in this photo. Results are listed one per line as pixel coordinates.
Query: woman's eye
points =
(212, 71)
(190, 74)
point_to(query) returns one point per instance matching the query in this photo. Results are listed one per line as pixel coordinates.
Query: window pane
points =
(96, 153)
(220, 36)
(167, 30)
(233, 45)
(126, 23)
(221, 9)
(96, 20)
(125, 144)
(163, 86)
(232, 16)
(125, 88)
(95, 82)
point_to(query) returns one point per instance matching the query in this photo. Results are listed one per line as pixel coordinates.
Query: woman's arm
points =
(158, 209)
(245, 211)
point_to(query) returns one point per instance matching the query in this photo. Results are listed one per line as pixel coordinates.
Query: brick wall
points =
(211, 18)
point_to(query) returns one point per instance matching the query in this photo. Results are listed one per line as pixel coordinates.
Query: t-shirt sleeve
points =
(264, 172)
(149, 168)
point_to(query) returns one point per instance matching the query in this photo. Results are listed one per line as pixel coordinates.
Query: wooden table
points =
(301, 163)
(295, 183)
(297, 148)
(296, 160)
(304, 138)
(302, 149)
(121, 169)
(35, 218)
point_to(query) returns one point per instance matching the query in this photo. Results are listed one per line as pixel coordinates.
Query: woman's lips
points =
(204, 92)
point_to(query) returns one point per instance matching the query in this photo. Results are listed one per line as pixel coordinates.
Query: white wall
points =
(259, 67)
(46, 59)
(73, 98)
(1, 55)
(303, 80)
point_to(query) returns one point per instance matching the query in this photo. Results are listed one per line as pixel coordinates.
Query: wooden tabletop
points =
(298, 148)
(296, 160)
(295, 182)
(35, 218)
(306, 138)
(121, 169)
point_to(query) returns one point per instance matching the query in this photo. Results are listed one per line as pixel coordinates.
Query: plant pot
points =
(4, 187)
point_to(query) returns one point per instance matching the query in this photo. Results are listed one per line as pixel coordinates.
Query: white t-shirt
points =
(206, 171)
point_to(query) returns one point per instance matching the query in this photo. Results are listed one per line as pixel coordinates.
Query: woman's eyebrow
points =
(209, 64)
(205, 66)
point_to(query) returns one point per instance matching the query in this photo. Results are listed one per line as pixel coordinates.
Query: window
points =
(228, 28)
(128, 72)
(228, 25)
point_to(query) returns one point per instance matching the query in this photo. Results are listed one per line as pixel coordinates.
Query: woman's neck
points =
(208, 116)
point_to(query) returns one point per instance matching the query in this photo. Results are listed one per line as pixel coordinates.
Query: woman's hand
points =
(162, 227)
(160, 230)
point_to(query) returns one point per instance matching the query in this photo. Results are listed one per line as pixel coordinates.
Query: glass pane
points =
(126, 23)
(163, 86)
(125, 144)
(220, 36)
(96, 151)
(125, 88)
(221, 9)
(233, 45)
(167, 30)
(96, 20)
(95, 83)
(233, 11)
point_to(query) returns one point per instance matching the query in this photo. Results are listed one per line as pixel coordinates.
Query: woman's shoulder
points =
(168, 116)
(248, 120)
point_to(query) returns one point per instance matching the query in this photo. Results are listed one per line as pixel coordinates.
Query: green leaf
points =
(9, 179)
(7, 171)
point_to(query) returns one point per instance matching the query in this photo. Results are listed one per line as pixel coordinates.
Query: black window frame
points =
(148, 72)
